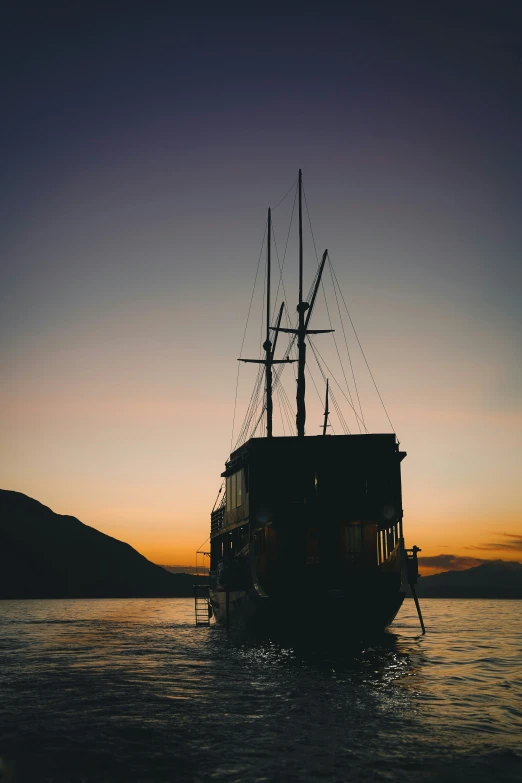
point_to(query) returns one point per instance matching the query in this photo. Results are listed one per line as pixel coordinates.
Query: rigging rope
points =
(256, 407)
(254, 398)
(198, 550)
(348, 352)
(244, 333)
(281, 266)
(339, 354)
(280, 411)
(218, 494)
(330, 321)
(252, 407)
(317, 390)
(288, 408)
(279, 371)
(360, 346)
(262, 333)
(282, 407)
(338, 408)
(286, 194)
(314, 349)
(339, 413)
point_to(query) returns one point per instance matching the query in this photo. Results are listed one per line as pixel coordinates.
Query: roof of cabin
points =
(315, 445)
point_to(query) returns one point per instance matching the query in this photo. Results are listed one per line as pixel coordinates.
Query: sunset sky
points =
(141, 151)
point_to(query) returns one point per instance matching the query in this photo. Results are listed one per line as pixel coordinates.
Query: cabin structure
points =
(314, 505)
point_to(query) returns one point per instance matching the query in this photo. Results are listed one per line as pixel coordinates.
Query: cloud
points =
(512, 544)
(450, 562)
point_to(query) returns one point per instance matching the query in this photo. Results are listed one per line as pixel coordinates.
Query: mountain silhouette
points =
(48, 555)
(496, 579)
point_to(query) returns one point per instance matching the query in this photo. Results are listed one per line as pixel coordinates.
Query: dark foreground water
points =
(130, 690)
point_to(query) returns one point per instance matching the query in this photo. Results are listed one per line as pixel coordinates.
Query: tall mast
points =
(326, 411)
(268, 345)
(300, 237)
(300, 418)
(301, 331)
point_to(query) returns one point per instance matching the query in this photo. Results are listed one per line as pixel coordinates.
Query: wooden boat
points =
(309, 530)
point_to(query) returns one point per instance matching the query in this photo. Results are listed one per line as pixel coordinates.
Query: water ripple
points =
(130, 690)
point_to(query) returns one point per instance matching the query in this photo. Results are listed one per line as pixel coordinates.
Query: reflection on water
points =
(131, 690)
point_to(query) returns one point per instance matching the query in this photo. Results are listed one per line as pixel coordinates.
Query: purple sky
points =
(141, 149)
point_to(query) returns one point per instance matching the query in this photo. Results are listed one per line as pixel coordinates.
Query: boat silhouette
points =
(309, 529)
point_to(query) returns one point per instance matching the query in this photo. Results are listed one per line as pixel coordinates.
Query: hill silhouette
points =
(496, 579)
(48, 555)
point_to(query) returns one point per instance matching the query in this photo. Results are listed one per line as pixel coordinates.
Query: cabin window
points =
(233, 495)
(239, 488)
(229, 493)
(234, 490)
(230, 500)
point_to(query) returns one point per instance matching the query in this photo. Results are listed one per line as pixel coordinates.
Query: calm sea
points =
(130, 690)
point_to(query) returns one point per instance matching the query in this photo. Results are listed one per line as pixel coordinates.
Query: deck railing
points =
(216, 520)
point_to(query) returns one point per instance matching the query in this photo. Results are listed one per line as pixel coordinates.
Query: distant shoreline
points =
(189, 597)
(468, 597)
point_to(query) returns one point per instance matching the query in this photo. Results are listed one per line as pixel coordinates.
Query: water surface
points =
(130, 690)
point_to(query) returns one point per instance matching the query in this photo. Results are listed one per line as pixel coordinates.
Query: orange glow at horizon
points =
(149, 476)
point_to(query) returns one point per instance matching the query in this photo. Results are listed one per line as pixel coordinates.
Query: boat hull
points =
(327, 612)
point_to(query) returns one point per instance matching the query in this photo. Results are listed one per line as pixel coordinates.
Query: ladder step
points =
(202, 604)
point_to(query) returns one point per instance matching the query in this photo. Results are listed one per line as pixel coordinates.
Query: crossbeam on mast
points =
(263, 361)
(307, 331)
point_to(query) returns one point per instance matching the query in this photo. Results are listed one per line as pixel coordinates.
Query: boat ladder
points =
(202, 604)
